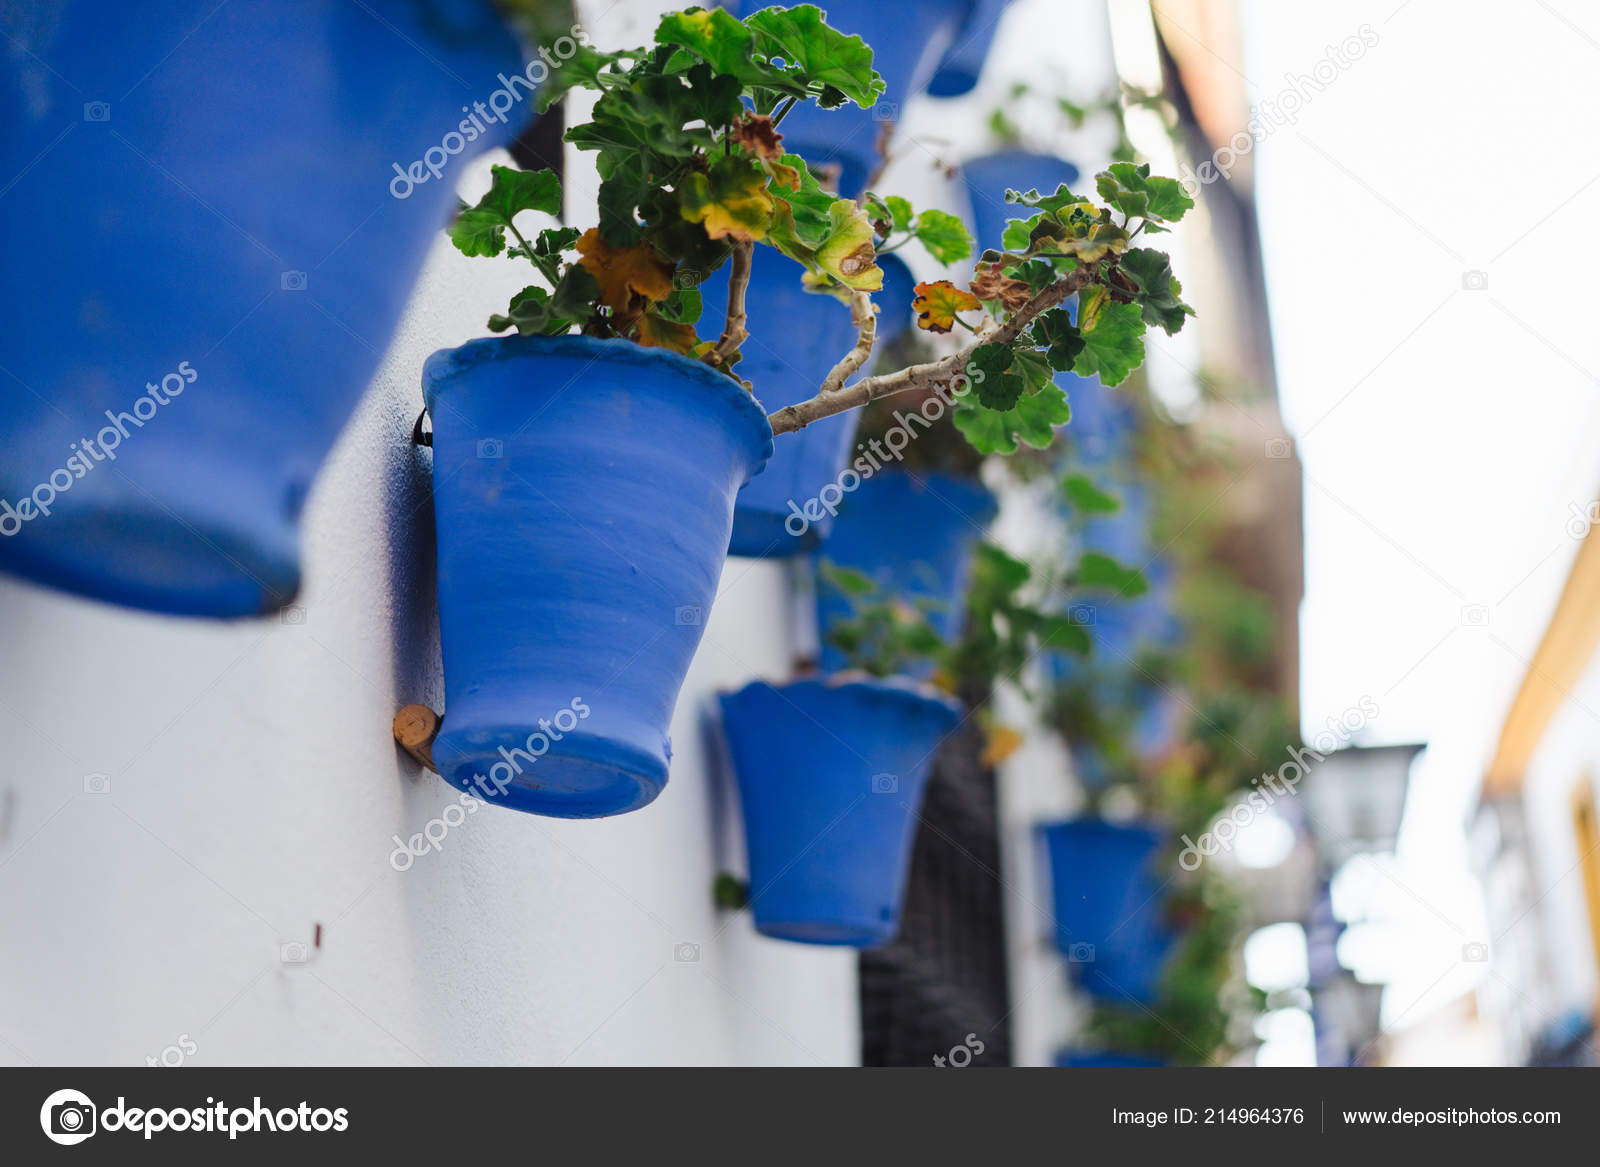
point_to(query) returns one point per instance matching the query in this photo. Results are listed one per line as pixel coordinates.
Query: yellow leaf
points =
(848, 254)
(629, 277)
(730, 201)
(937, 303)
(1003, 741)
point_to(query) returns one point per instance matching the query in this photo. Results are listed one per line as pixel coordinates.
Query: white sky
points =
(1446, 433)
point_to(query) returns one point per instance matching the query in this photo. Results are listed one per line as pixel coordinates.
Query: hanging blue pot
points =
(796, 337)
(216, 235)
(915, 535)
(831, 777)
(961, 67)
(1110, 905)
(907, 40)
(583, 495)
(987, 179)
(1103, 1059)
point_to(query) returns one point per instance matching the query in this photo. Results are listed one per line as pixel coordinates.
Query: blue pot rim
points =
(1098, 825)
(1025, 156)
(448, 363)
(907, 690)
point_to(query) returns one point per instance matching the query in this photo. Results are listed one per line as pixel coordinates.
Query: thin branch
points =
(936, 373)
(733, 333)
(866, 320)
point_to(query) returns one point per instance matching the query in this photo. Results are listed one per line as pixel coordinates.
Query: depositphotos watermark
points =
(88, 453)
(1271, 114)
(68, 1117)
(877, 453)
(501, 102)
(486, 787)
(1272, 786)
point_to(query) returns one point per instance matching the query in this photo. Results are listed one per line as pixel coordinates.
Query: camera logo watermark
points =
(68, 1117)
(501, 102)
(1272, 786)
(88, 453)
(500, 778)
(1271, 114)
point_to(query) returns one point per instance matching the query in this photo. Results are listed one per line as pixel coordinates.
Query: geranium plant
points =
(694, 175)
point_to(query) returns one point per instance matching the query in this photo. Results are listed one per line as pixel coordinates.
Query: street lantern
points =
(1354, 798)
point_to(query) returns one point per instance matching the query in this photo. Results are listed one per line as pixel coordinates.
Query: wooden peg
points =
(415, 727)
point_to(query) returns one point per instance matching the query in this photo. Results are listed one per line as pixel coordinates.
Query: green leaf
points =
(992, 383)
(1063, 633)
(1133, 191)
(944, 235)
(714, 35)
(1113, 346)
(809, 222)
(900, 210)
(529, 312)
(1055, 332)
(1099, 571)
(1089, 499)
(730, 892)
(1032, 420)
(846, 579)
(481, 229)
(823, 54)
(1018, 234)
(1057, 200)
(1158, 291)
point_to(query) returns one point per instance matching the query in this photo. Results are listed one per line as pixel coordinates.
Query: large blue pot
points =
(908, 39)
(915, 535)
(1110, 905)
(210, 251)
(831, 777)
(583, 494)
(961, 67)
(796, 337)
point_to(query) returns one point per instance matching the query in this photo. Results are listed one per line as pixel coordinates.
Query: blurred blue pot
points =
(1109, 905)
(581, 536)
(796, 337)
(962, 66)
(908, 40)
(219, 231)
(915, 535)
(987, 179)
(831, 777)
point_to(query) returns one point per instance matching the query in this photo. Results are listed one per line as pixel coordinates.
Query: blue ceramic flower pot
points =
(961, 67)
(915, 535)
(796, 337)
(216, 245)
(908, 40)
(831, 777)
(583, 494)
(1109, 905)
